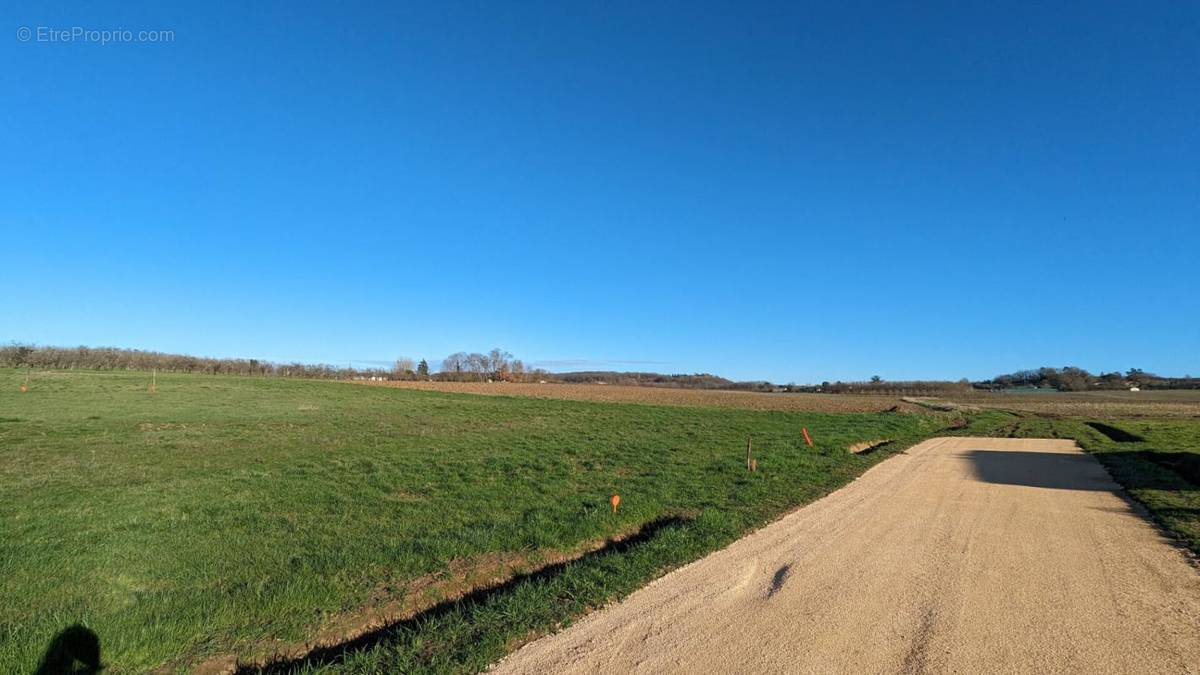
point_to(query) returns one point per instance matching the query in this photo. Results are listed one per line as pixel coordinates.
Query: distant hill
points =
(694, 381)
(1070, 378)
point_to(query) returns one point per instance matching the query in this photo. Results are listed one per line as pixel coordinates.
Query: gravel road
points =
(961, 555)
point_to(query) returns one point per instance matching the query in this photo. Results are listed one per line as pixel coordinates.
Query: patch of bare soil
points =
(867, 447)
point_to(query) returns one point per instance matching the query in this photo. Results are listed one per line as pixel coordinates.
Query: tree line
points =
(877, 385)
(112, 358)
(499, 365)
(683, 381)
(496, 365)
(1071, 378)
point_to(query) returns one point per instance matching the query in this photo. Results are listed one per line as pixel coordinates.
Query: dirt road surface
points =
(960, 556)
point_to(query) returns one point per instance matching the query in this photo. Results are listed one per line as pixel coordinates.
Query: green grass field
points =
(226, 515)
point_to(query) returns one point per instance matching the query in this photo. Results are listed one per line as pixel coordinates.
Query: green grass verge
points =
(222, 513)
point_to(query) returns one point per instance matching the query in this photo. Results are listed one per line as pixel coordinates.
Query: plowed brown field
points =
(1177, 403)
(665, 396)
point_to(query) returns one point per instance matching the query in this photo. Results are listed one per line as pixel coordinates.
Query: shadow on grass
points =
(323, 656)
(1159, 483)
(1114, 433)
(1147, 469)
(74, 650)
(1186, 464)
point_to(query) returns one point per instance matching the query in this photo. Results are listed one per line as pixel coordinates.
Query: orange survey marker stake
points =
(806, 438)
(616, 501)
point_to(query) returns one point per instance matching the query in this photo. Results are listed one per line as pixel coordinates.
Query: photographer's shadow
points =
(75, 650)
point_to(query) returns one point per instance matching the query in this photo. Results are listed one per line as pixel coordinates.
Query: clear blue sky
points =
(793, 192)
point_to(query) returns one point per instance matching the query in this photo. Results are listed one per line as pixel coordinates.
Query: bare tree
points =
(479, 365)
(454, 365)
(499, 363)
(404, 368)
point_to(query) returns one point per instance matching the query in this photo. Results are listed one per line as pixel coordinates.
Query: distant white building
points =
(1134, 389)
